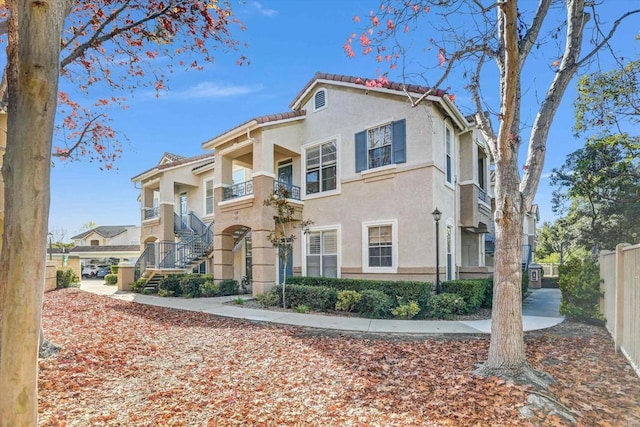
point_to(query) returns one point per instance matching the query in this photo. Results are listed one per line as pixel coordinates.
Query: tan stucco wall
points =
(73, 262)
(50, 276)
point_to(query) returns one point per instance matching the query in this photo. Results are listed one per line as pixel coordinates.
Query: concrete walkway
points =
(540, 311)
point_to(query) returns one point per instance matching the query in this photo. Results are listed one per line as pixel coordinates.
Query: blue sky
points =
(289, 41)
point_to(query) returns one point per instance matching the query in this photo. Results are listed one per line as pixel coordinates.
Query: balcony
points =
(238, 190)
(475, 208)
(150, 213)
(291, 191)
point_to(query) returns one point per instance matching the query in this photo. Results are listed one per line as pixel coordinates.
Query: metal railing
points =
(526, 256)
(150, 213)
(292, 191)
(238, 190)
(146, 259)
(482, 195)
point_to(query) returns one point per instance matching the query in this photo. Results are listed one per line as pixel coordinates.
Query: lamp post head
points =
(436, 215)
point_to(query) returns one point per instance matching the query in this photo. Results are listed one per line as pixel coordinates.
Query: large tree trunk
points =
(35, 29)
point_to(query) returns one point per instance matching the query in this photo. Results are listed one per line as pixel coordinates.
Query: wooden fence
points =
(620, 305)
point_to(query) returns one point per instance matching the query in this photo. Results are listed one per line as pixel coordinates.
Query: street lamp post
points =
(436, 216)
(50, 246)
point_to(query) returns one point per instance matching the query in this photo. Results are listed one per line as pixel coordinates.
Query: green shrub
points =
(162, 293)
(228, 287)
(238, 301)
(579, 282)
(347, 300)
(170, 286)
(111, 279)
(302, 308)
(318, 298)
(374, 304)
(139, 285)
(406, 310)
(445, 306)
(269, 299)
(524, 283)
(472, 291)
(190, 285)
(114, 269)
(66, 278)
(407, 290)
(209, 289)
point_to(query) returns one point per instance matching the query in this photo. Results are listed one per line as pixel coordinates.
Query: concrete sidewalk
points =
(540, 311)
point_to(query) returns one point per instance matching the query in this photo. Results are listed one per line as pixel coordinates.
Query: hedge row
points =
(473, 291)
(405, 290)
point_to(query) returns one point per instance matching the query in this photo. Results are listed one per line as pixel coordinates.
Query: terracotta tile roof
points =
(263, 120)
(363, 82)
(182, 160)
(172, 157)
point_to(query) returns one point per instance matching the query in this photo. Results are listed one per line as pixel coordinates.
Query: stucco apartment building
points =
(360, 161)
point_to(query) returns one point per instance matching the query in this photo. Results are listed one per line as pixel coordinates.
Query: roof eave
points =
(230, 134)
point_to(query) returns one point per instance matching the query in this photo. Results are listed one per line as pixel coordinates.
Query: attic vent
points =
(320, 100)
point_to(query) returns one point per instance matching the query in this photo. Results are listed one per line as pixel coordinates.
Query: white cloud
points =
(262, 10)
(214, 90)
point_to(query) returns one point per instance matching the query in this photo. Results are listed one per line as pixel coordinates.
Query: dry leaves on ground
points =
(129, 364)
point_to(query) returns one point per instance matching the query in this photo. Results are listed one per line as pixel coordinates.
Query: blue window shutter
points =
(399, 141)
(361, 151)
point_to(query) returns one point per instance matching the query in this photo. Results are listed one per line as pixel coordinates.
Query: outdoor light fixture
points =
(50, 246)
(436, 216)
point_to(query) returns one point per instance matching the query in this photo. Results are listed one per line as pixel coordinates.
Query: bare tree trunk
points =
(35, 29)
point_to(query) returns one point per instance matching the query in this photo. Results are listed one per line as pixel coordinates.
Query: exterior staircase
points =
(160, 259)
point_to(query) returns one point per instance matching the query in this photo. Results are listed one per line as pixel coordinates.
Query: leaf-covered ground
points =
(128, 364)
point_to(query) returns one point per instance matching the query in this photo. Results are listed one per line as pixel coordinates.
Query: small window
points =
(320, 100)
(208, 197)
(95, 243)
(448, 154)
(380, 246)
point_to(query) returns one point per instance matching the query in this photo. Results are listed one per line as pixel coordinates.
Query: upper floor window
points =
(381, 146)
(208, 197)
(320, 100)
(448, 145)
(321, 168)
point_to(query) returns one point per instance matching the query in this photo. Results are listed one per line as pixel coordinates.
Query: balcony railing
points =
(238, 190)
(292, 191)
(150, 213)
(482, 195)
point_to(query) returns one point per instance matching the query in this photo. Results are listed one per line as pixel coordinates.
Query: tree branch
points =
(529, 39)
(615, 26)
(80, 141)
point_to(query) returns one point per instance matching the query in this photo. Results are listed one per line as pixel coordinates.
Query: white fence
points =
(620, 274)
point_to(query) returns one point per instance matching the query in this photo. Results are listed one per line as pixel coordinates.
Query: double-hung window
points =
(322, 253)
(321, 161)
(381, 145)
(208, 197)
(380, 246)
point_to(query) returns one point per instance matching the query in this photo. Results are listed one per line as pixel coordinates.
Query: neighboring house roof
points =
(106, 231)
(258, 122)
(178, 162)
(106, 248)
(365, 83)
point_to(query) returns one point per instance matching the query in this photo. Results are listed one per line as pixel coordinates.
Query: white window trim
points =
(204, 197)
(326, 100)
(394, 246)
(449, 223)
(338, 230)
(366, 130)
(452, 154)
(303, 187)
